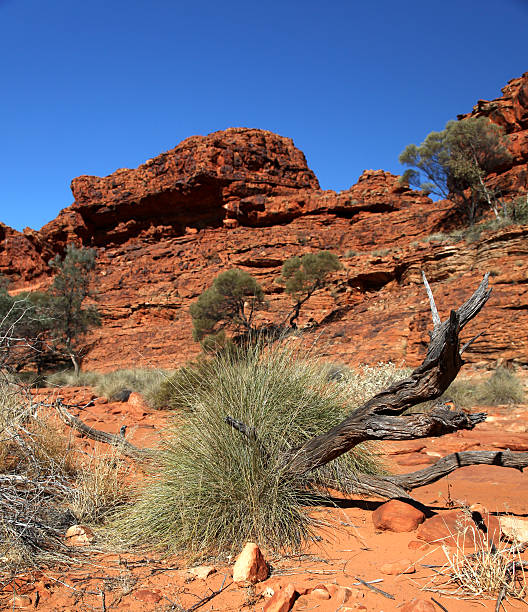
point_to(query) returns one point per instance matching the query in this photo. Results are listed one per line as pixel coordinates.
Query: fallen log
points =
(116, 440)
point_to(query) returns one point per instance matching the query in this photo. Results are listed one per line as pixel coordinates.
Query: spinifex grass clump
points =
(110, 384)
(502, 387)
(218, 488)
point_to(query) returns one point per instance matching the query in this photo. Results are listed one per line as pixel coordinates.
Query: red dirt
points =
(350, 547)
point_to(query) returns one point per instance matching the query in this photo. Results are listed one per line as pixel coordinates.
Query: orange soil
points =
(351, 548)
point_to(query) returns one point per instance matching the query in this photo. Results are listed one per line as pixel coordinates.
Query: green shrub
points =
(109, 384)
(216, 488)
(502, 387)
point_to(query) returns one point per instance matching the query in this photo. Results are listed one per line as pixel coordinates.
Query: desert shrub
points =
(502, 387)
(476, 567)
(100, 486)
(110, 384)
(217, 488)
(46, 484)
(68, 378)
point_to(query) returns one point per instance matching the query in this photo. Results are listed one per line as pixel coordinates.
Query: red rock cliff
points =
(246, 198)
(510, 111)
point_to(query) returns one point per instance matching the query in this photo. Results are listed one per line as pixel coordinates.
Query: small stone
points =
(398, 516)
(403, 566)
(331, 587)
(282, 600)
(268, 592)
(321, 593)
(250, 566)
(20, 602)
(79, 535)
(202, 572)
(136, 399)
(98, 401)
(345, 594)
(148, 596)
(302, 602)
(417, 545)
(418, 605)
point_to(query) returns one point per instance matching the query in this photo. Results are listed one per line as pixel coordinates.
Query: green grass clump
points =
(502, 387)
(177, 392)
(109, 384)
(216, 488)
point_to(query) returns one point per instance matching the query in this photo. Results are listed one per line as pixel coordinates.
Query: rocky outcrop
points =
(246, 198)
(510, 111)
(187, 188)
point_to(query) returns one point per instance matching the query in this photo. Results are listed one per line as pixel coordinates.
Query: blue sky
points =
(89, 87)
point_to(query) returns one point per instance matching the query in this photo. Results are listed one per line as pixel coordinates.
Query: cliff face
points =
(510, 111)
(246, 198)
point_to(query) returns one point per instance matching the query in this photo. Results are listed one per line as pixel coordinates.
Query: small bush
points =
(109, 384)
(216, 488)
(502, 387)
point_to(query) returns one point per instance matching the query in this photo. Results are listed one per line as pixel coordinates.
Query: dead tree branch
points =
(117, 441)
(399, 485)
(376, 419)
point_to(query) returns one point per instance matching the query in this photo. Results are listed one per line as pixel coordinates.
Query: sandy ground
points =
(350, 549)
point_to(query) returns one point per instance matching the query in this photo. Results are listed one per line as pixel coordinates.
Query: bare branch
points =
(470, 342)
(438, 370)
(398, 485)
(434, 309)
(117, 441)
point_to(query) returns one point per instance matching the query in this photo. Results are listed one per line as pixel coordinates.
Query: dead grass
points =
(477, 568)
(46, 483)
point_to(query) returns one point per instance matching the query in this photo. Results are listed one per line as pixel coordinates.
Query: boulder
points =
(396, 515)
(250, 567)
(460, 528)
(282, 600)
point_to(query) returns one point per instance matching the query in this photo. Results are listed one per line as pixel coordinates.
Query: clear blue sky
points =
(88, 87)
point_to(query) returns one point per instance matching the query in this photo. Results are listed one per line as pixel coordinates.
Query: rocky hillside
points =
(246, 198)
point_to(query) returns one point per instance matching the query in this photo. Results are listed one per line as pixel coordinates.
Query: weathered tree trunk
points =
(379, 418)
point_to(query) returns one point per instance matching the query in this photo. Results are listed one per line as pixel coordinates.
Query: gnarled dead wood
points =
(399, 485)
(117, 441)
(376, 418)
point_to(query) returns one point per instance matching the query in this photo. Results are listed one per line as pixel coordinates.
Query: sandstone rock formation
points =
(246, 198)
(510, 111)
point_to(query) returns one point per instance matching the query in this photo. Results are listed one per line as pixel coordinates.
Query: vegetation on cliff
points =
(456, 162)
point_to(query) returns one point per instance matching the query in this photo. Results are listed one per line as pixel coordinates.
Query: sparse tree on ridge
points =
(234, 297)
(230, 303)
(69, 290)
(305, 275)
(456, 161)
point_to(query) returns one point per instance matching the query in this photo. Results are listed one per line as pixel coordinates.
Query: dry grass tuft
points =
(477, 568)
(46, 483)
